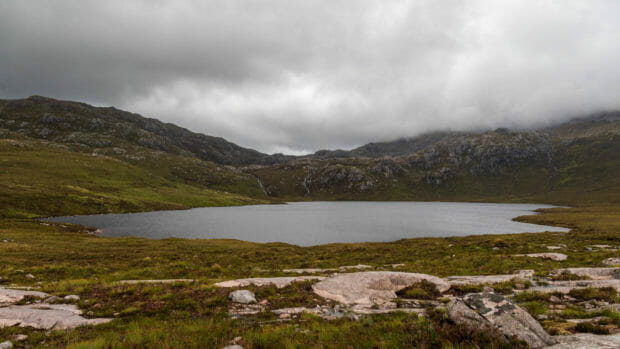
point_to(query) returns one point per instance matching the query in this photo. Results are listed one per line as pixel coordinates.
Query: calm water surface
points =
(313, 223)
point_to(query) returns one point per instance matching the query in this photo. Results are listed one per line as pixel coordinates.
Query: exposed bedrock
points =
(371, 287)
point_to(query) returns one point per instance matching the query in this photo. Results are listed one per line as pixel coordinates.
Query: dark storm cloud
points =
(298, 76)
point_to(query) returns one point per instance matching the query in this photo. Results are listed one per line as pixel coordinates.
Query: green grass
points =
(535, 307)
(39, 180)
(591, 328)
(607, 294)
(67, 261)
(420, 290)
(380, 331)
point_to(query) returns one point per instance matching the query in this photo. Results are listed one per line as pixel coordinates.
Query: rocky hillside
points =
(71, 158)
(86, 128)
(400, 147)
(578, 159)
(587, 126)
(575, 161)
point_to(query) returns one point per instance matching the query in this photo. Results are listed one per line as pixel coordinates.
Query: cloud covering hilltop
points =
(297, 76)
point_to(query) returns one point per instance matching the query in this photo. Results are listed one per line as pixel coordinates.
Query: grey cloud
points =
(299, 76)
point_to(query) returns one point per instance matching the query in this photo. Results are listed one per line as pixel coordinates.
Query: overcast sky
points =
(298, 76)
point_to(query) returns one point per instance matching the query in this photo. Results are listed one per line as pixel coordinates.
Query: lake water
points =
(314, 223)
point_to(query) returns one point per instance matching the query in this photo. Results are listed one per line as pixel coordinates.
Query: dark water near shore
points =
(313, 223)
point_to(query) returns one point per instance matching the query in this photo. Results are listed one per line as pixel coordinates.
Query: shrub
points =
(566, 276)
(608, 294)
(420, 290)
(591, 328)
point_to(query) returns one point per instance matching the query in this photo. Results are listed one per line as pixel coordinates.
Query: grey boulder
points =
(72, 297)
(612, 261)
(242, 296)
(492, 310)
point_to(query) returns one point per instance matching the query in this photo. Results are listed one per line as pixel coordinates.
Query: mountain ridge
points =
(173, 138)
(575, 161)
(80, 123)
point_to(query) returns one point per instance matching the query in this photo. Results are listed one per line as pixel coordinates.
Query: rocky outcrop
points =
(567, 286)
(46, 316)
(489, 279)
(494, 311)
(359, 294)
(591, 273)
(587, 341)
(11, 296)
(371, 287)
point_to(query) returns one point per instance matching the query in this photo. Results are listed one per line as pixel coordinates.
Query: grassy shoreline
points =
(65, 259)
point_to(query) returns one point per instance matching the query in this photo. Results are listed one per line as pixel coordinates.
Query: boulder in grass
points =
(242, 296)
(611, 261)
(494, 311)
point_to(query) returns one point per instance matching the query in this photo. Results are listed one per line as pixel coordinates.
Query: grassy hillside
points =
(44, 179)
(577, 162)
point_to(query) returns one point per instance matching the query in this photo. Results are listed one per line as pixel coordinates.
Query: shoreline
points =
(80, 220)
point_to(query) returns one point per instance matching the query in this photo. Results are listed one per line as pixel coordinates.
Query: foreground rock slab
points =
(46, 316)
(11, 296)
(591, 273)
(587, 341)
(279, 282)
(566, 286)
(492, 310)
(371, 287)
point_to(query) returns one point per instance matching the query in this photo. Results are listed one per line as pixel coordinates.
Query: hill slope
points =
(86, 128)
(578, 161)
(65, 157)
(41, 179)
